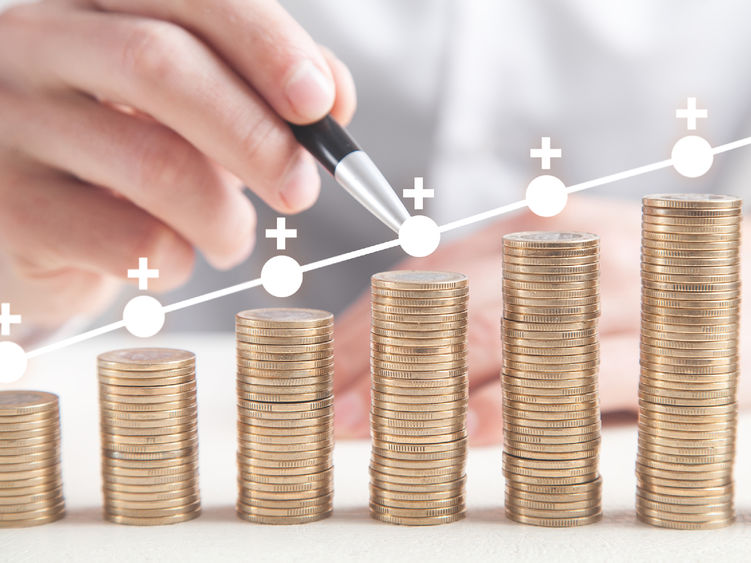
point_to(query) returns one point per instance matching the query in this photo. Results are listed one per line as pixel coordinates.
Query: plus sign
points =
(418, 193)
(6, 319)
(545, 153)
(143, 274)
(281, 233)
(691, 113)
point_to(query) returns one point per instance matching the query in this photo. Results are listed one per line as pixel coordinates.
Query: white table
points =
(350, 534)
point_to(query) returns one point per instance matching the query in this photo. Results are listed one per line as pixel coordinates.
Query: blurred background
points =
(459, 91)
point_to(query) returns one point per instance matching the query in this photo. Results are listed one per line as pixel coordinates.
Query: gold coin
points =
(418, 521)
(284, 520)
(146, 359)
(418, 280)
(313, 479)
(557, 480)
(547, 464)
(555, 260)
(154, 521)
(421, 302)
(553, 240)
(289, 335)
(18, 402)
(285, 317)
(274, 358)
(708, 525)
(405, 320)
(551, 451)
(416, 337)
(287, 407)
(296, 348)
(271, 416)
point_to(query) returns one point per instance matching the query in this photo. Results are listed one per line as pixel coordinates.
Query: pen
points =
(352, 168)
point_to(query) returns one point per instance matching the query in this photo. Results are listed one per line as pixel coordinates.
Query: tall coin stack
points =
(689, 360)
(551, 351)
(31, 491)
(419, 397)
(285, 385)
(148, 414)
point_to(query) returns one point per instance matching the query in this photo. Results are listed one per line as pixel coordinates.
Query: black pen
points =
(352, 168)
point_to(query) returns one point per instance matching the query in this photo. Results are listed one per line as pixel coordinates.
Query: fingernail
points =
(473, 423)
(309, 91)
(301, 184)
(350, 411)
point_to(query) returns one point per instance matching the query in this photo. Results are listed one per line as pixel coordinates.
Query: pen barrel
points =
(326, 140)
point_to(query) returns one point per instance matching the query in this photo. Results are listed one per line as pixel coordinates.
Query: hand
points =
(479, 256)
(129, 128)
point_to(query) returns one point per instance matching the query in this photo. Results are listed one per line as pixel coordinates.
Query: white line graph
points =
(490, 214)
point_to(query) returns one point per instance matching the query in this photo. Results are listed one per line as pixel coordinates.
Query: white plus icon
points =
(691, 113)
(281, 233)
(6, 319)
(418, 193)
(545, 153)
(143, 274)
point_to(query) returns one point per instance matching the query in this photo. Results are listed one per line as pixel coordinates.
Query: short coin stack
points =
(689, 360)
(31, 491)
(285, 379)
(551, 351)
(148, 417)
(419, 397)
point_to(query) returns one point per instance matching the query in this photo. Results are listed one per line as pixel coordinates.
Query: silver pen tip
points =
(359, 175)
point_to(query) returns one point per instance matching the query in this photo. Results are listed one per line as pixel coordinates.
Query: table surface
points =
(349, 534)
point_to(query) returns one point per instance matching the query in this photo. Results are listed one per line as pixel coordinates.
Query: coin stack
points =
(551, 351)
(689, 360)
(419, 397)
(285, 385)
(31, 491)
(147, 398)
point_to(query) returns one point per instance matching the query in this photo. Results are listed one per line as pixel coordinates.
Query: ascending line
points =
(379, 247)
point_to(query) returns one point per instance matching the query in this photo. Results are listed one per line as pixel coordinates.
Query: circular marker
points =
(692, 156)
(143, 316)
(546, 196)
(281, 276)
(419, 236)
(12, 362)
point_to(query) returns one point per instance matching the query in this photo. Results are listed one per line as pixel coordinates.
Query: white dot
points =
(546, 195)
(281, 276)
(419, 236)
(12, 362)
(692, 156)
(143, 316)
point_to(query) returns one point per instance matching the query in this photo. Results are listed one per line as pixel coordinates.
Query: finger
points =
(346, 99)
(145, 162)
(77, 226)
(164, 71)
(258, 38)
(485, 414)
(352, 411)
(51, 299)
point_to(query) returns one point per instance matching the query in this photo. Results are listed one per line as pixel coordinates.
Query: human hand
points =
(129, 128)
(479, 257)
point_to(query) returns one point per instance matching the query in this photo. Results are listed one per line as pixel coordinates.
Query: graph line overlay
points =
(472, 219)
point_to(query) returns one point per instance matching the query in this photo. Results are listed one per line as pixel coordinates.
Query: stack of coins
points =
(689, 360)
(285, 385)
(148, 418)
(551, 350)
(31, 491)
(419, 397)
